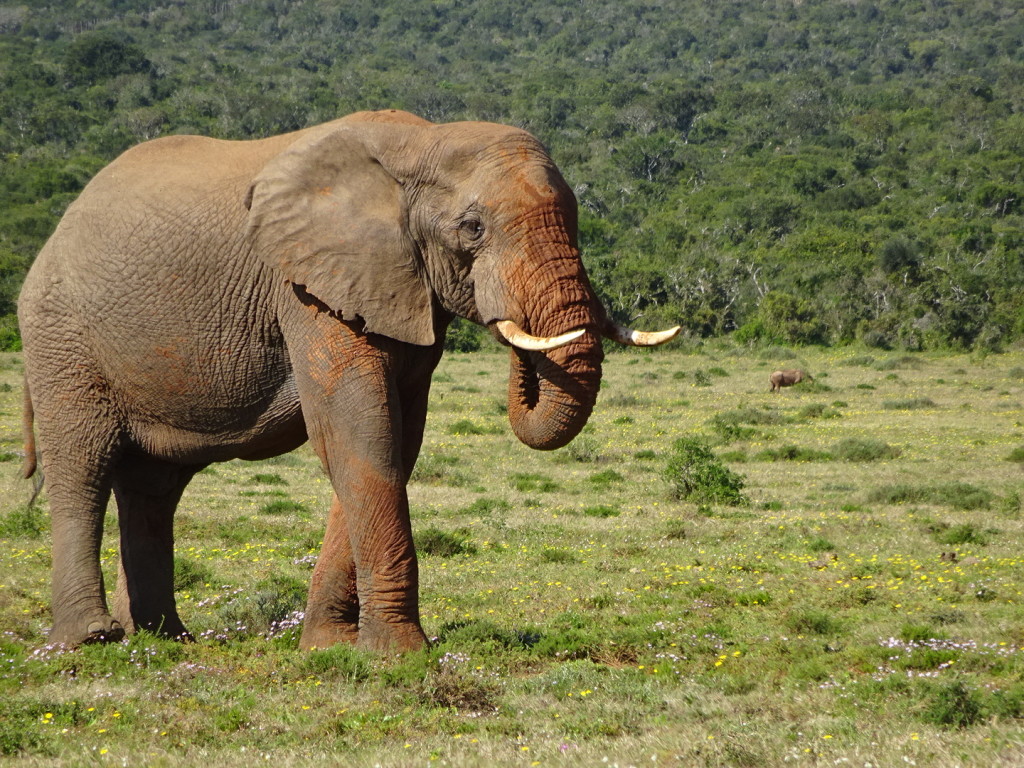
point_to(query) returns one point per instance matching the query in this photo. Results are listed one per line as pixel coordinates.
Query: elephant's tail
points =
(28, 468)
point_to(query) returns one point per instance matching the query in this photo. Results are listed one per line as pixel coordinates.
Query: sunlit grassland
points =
(867, 611)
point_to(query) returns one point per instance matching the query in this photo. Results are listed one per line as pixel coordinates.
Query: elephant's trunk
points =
(551, 394)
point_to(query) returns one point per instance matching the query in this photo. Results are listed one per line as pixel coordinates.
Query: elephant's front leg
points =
(366, 582)
(332, 610)
(387, 575)
(351, 402)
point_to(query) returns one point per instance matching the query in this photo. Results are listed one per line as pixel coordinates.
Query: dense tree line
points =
(804, 171)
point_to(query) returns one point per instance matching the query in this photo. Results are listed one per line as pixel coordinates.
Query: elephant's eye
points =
(472, 229)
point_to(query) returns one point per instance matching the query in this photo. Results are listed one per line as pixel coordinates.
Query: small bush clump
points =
(1017, 455)
(282, 507)
(865, 449)
(486, 506)
(953, 705)
(438, 469)
(437, 543)
(792, 453)
(267, 479)
(27, 521)
(958, 535)
(189, 574)
(467, 427)
(696, 474)
(957, 495)
(601, 510)
(909, 404)
(530, 482)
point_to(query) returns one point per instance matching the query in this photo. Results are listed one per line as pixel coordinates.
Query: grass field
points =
(863, 605)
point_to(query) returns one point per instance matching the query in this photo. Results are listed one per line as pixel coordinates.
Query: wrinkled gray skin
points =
(780, 379)
(206, 300)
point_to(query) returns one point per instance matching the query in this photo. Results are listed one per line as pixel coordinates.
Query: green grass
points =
(864, 609)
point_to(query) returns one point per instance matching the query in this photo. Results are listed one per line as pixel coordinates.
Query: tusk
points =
(633, 338)
(517, 337)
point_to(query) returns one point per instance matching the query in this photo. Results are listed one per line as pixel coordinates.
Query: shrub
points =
(267, 479)
(486, 506)
(1017, 455)
(339, 662)
(583, 449)
(438, 469)
(961, 534)
(817, 411)
(730, 424)
(463, 336)
(189, 574)
(864, 449)
(27, 521)
(814, 622)
(701, 379)
(437, 543)
(957, 495)
(529, 482)
(270, 602)
(908, 404)
(549, 555)
(792, 453)
(601, 510)
(605, 478)
(696, 474)
(282, 507)
(467, 427)
(952, 705)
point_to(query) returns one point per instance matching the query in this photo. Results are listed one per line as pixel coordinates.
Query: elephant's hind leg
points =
(332, 611)
(147, 492)
(78, 490)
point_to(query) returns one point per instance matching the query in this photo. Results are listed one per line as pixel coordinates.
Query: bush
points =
(952, 706)
(467, 427)
(601, 510)
(464, 336)
(864, 449)
(270, 602)
(283, 507)
(792, 453)
(189, 574)
(438, 543)
(27, 521)
(909, 404)
(957, 495)
(697, 475)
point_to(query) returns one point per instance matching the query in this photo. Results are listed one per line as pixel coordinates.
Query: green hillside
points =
(804, 171)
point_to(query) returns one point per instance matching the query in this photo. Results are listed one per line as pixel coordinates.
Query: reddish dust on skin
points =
(332, 612)
(337, 352)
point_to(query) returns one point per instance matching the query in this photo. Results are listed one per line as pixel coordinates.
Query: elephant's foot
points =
(326, 634)
(101, 628)
(390, 637)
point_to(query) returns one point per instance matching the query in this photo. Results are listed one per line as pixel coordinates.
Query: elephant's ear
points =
(326, 215)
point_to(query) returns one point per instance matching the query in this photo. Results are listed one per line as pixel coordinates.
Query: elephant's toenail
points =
(95, 628)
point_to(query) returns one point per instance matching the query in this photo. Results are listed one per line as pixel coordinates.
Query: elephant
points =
(204, 300)
(780, 379)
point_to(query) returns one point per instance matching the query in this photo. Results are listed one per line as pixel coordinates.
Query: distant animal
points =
(780, 379)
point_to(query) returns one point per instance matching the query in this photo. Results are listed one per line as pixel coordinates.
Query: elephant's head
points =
(403, 223)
